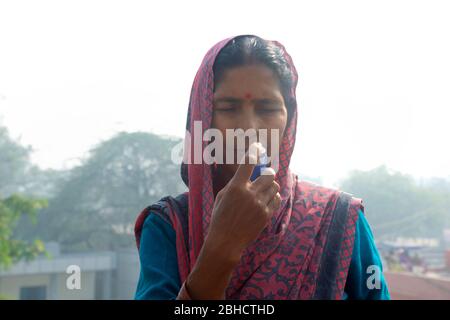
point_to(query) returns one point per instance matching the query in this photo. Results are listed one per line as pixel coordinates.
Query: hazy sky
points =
(374, 82)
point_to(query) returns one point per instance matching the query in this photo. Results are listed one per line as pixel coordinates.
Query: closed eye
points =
(226, 108)
(269, 109)
(269, 104)
(227, 104)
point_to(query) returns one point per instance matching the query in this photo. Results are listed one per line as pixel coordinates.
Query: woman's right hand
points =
(242, 209)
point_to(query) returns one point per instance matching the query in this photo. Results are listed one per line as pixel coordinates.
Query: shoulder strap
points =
(179, 206)
(330, 261)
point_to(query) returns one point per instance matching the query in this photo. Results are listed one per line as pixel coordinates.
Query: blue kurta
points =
(159, 278)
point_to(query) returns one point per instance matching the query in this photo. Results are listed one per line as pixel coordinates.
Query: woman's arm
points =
(159, 278)
(365, 263)
(211, 273)
(242, 209)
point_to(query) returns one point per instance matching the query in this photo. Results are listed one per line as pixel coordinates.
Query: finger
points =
(275, 203)
(269, 193)
(264, 180)
(245, 169)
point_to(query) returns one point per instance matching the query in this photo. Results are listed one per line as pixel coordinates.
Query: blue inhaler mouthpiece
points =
(262, 163)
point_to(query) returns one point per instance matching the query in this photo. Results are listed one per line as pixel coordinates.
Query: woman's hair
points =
(251, 50)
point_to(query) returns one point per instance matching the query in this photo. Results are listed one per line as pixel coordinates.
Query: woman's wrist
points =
(223, 249)
(212, 272)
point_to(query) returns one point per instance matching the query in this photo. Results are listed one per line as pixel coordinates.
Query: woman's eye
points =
(226, 108)
(268, 107)
(268, 110)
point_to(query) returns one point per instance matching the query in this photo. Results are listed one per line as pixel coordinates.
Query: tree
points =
(15, 169)
(13, 249)
(398, 206)
(19, 175)
(97, 205)
(14, 162)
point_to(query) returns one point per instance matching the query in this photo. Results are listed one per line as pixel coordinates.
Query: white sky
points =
(374, 75)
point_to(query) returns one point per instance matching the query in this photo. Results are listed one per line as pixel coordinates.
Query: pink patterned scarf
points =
(305, 252)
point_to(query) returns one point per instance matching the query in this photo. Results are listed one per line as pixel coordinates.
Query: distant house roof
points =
(92, 261)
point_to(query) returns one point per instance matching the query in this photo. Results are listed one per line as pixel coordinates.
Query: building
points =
(102, 275)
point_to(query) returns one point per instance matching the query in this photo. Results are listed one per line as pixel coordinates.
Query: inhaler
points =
(262, 163)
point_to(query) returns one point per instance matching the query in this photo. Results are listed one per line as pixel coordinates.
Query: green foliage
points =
(396, 205)
(14, 161)
(12, 249)
(15, 173)
(19, 175)
(96, 207)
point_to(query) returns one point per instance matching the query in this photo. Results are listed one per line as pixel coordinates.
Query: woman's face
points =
(248, 97)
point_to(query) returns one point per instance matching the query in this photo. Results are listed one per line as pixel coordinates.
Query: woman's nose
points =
(248, 118)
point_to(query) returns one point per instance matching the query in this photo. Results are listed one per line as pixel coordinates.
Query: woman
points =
(275, 237)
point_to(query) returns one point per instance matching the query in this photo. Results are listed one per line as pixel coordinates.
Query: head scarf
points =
(284, 262)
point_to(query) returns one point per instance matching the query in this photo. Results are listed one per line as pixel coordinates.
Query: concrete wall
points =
(104, 275)
(126, 274)
(55, 284)
(10, 286)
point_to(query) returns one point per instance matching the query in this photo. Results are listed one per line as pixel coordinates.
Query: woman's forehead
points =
(247, 82)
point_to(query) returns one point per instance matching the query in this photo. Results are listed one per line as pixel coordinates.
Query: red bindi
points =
(248, 96)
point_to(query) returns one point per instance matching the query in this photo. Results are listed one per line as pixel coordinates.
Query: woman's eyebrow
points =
(267, 100)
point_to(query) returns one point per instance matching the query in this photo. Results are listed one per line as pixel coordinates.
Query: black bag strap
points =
(329, 264)
(180, 206)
